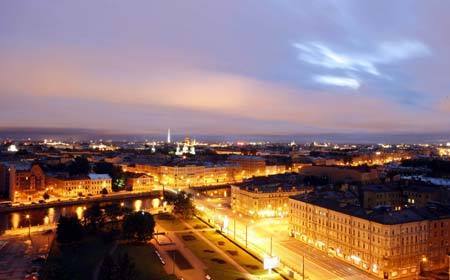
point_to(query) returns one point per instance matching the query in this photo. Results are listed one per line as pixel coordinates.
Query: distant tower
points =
(168, 135)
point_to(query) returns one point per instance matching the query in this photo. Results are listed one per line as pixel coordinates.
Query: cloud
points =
(319, 54)
(338, 81)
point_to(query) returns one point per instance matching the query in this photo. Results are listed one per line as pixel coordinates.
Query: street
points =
(18, 251)
(270, 236)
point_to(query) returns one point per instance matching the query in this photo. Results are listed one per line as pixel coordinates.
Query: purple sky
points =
(218, 67)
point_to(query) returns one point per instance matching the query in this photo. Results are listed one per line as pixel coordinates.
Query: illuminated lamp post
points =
(27, 216)
(423, 263)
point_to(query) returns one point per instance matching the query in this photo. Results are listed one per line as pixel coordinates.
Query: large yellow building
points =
(249, 166)
(91, 184)
(337, 174)
(22, 181)
(388, 244)
(139, 182)
(266, 196)
(188, 175)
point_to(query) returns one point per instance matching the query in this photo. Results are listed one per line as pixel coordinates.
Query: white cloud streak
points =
(338, 81)
(319, 54)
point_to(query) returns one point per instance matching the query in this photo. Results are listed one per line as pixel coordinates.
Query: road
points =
(18, 252)
(270, 237)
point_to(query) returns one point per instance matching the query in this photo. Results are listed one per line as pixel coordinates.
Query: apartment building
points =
(139, 182)
(22, 181)
(74, 186)
(388, 244)
(266, 196)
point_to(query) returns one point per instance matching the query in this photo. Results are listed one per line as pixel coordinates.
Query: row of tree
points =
(138, 226)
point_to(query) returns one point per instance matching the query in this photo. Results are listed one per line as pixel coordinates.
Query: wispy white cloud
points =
(319, 54)
(338, 81)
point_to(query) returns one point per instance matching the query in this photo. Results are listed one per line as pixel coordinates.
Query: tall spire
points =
(168, 135)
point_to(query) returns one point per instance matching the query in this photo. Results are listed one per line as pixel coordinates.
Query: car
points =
(41, 201)
(30, 277)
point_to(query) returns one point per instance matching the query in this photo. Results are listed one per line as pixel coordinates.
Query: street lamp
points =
(423, 262)
(27, 216)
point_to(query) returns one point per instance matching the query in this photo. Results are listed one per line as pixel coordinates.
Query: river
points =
(50, 215)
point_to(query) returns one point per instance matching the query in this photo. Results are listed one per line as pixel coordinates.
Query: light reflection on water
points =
(137, 205)
(51, 215)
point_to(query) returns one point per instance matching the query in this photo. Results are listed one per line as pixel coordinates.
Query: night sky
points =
(220, 67)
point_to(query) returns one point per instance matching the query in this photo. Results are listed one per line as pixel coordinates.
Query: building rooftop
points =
(336, 201)
(95, 176)
(272, 183)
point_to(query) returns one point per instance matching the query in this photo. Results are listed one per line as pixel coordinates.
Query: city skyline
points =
(272, 67)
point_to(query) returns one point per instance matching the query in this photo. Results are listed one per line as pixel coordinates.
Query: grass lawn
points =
(216, 268)
(252, 265)
(146, 262)
(209, 256)
(77, 261)
(170, 223)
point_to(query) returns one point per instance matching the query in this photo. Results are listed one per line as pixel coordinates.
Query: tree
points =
(125, 268)
(104, 191)
(69, 229)
(94, 216)
(183, 206)
(108, 269)
(79, 166)
(116, 173)
(46, 196)
(139, 226)
(113, 211)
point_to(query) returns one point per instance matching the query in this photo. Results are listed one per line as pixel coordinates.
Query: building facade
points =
(341, 174)
(92, 184)
(389, 245)
(266, 196)
(140, 183)
(22, 181)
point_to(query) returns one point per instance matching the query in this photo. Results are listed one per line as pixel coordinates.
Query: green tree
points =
(69, 229)
(117, 175)
(79, 166)
(139, 226)
(183, 206)
(113, 211)
(94, 217)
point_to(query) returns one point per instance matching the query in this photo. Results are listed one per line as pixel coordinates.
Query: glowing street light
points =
(27, 216)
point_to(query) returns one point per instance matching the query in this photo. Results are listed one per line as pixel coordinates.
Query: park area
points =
(79, 261)
(218, 266)
(171, 223)
(76, 261)
(147, 264)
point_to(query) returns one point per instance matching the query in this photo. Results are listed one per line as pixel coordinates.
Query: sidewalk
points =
(198, 271)
(219, 250)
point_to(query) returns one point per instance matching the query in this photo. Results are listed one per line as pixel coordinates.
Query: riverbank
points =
(78, 201)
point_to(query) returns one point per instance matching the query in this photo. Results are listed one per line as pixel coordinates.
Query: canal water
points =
(15, 220)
